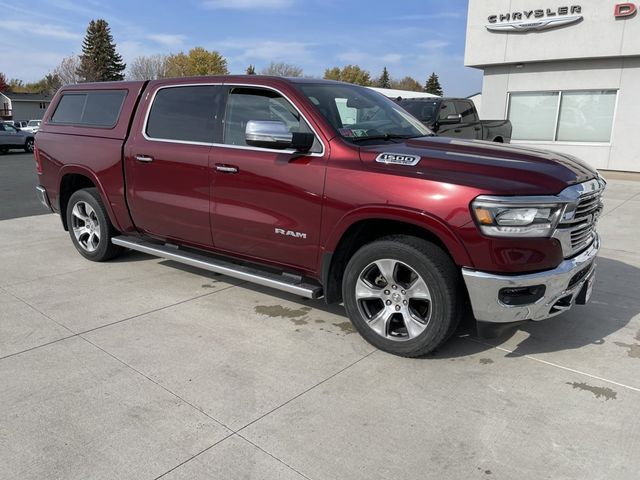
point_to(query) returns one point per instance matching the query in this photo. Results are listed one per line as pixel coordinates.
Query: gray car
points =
(12, 138)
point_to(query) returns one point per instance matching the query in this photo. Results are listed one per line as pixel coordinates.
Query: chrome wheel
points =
(393, 299)
(29, 146)
(85, 226)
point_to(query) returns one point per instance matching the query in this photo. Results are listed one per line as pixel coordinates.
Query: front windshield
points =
(33, 123)
(423, 110)
(359, 114)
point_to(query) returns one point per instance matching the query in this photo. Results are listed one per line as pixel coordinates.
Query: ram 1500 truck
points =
(264, 180)
(456, 117)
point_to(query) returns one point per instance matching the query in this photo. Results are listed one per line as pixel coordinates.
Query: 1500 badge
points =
(398, 159)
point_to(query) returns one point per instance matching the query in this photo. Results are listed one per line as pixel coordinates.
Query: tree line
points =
(100, 61)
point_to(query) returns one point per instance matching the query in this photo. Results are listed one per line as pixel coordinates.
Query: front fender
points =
(423, 220)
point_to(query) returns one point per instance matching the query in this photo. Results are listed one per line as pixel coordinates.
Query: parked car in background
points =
(456, 117)
(32, 126)
(12, 139)
(18, 125)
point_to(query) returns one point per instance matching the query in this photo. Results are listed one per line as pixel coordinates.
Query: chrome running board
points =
(286, 283)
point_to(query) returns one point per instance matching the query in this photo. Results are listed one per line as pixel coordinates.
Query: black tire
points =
(28, 145)
(103, 249)
(432, 265)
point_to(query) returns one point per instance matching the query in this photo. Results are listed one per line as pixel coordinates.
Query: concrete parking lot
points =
(141, 368)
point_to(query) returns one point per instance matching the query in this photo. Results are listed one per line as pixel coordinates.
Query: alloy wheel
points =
(86, 226)
(393, 299)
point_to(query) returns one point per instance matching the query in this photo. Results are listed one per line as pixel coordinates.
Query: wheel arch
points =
(73, 178)
(365, 226)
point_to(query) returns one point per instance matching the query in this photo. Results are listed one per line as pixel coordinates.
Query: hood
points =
(494, 167)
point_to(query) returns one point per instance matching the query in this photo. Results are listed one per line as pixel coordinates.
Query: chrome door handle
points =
(226, 168)
(144, 158)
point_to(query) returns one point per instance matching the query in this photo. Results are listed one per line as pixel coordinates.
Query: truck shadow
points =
(615, 302)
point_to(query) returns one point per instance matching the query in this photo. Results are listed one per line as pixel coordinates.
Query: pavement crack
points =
(273, 456)
(306, 391)
(156, 383)
(194, 456)
(551, 364)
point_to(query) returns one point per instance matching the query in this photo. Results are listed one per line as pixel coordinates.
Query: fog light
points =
(519, 296)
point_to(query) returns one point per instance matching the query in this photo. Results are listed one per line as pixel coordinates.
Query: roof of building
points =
(27, 97)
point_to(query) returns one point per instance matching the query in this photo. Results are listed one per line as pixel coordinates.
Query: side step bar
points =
(286, 283)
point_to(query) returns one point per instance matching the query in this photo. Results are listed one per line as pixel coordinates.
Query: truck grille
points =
(577, 230)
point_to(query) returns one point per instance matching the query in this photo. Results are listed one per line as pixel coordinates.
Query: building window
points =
(563, 116)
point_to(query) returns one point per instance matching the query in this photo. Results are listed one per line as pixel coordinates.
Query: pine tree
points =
(251, 70)
(99, 61)
(385, 80)
(433, 85)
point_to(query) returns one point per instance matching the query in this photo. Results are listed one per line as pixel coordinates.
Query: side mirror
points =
(451, 119)
(276, 135)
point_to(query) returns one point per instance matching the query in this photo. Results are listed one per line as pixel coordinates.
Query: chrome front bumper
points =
(41, 192)
(560, 294)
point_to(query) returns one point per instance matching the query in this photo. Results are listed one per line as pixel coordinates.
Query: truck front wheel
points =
(403, 295)
(89, 226)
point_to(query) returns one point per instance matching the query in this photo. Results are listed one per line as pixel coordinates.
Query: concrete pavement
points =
(141, 368)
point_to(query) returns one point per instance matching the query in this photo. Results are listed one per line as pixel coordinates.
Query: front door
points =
(167, 164)
(267, 204)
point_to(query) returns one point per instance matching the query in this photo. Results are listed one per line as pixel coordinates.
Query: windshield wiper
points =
(386, 136)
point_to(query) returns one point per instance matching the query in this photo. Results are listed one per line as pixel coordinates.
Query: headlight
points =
(517, 216)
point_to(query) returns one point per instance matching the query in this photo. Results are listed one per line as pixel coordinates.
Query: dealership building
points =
(567, 75)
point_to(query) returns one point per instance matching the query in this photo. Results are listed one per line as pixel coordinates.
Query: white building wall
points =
(623, 153)
(598, 53)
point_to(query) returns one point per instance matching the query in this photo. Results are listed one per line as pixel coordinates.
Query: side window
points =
(466, 110)
(99, 108)
(186, 114)
(245, 104)
(447, 108)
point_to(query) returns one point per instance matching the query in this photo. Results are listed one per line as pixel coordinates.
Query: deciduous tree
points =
(251, 70)
(407, 83)
(4, 86)
(150, 67)
(99, 60)
(67, 70)
(198, 61)
(350, 74)
(280, 69)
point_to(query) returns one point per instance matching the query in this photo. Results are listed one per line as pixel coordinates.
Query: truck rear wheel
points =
(403, 295)
(89, 226)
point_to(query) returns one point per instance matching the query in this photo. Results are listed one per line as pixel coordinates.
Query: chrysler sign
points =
(531, 20)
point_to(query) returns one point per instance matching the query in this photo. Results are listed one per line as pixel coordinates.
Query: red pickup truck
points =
(323, 189)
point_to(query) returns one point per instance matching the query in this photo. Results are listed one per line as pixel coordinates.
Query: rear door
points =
(167, 161)
(267, 204)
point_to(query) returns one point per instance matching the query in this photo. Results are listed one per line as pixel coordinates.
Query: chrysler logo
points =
(531, 20)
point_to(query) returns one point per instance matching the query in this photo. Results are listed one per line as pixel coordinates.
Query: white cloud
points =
(360, 57)
(247, 4)
(429, 16)
(40, 29)
(434, 44)
(269, 50)
(167, 40)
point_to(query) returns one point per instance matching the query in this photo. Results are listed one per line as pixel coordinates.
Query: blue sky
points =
(409, 37)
